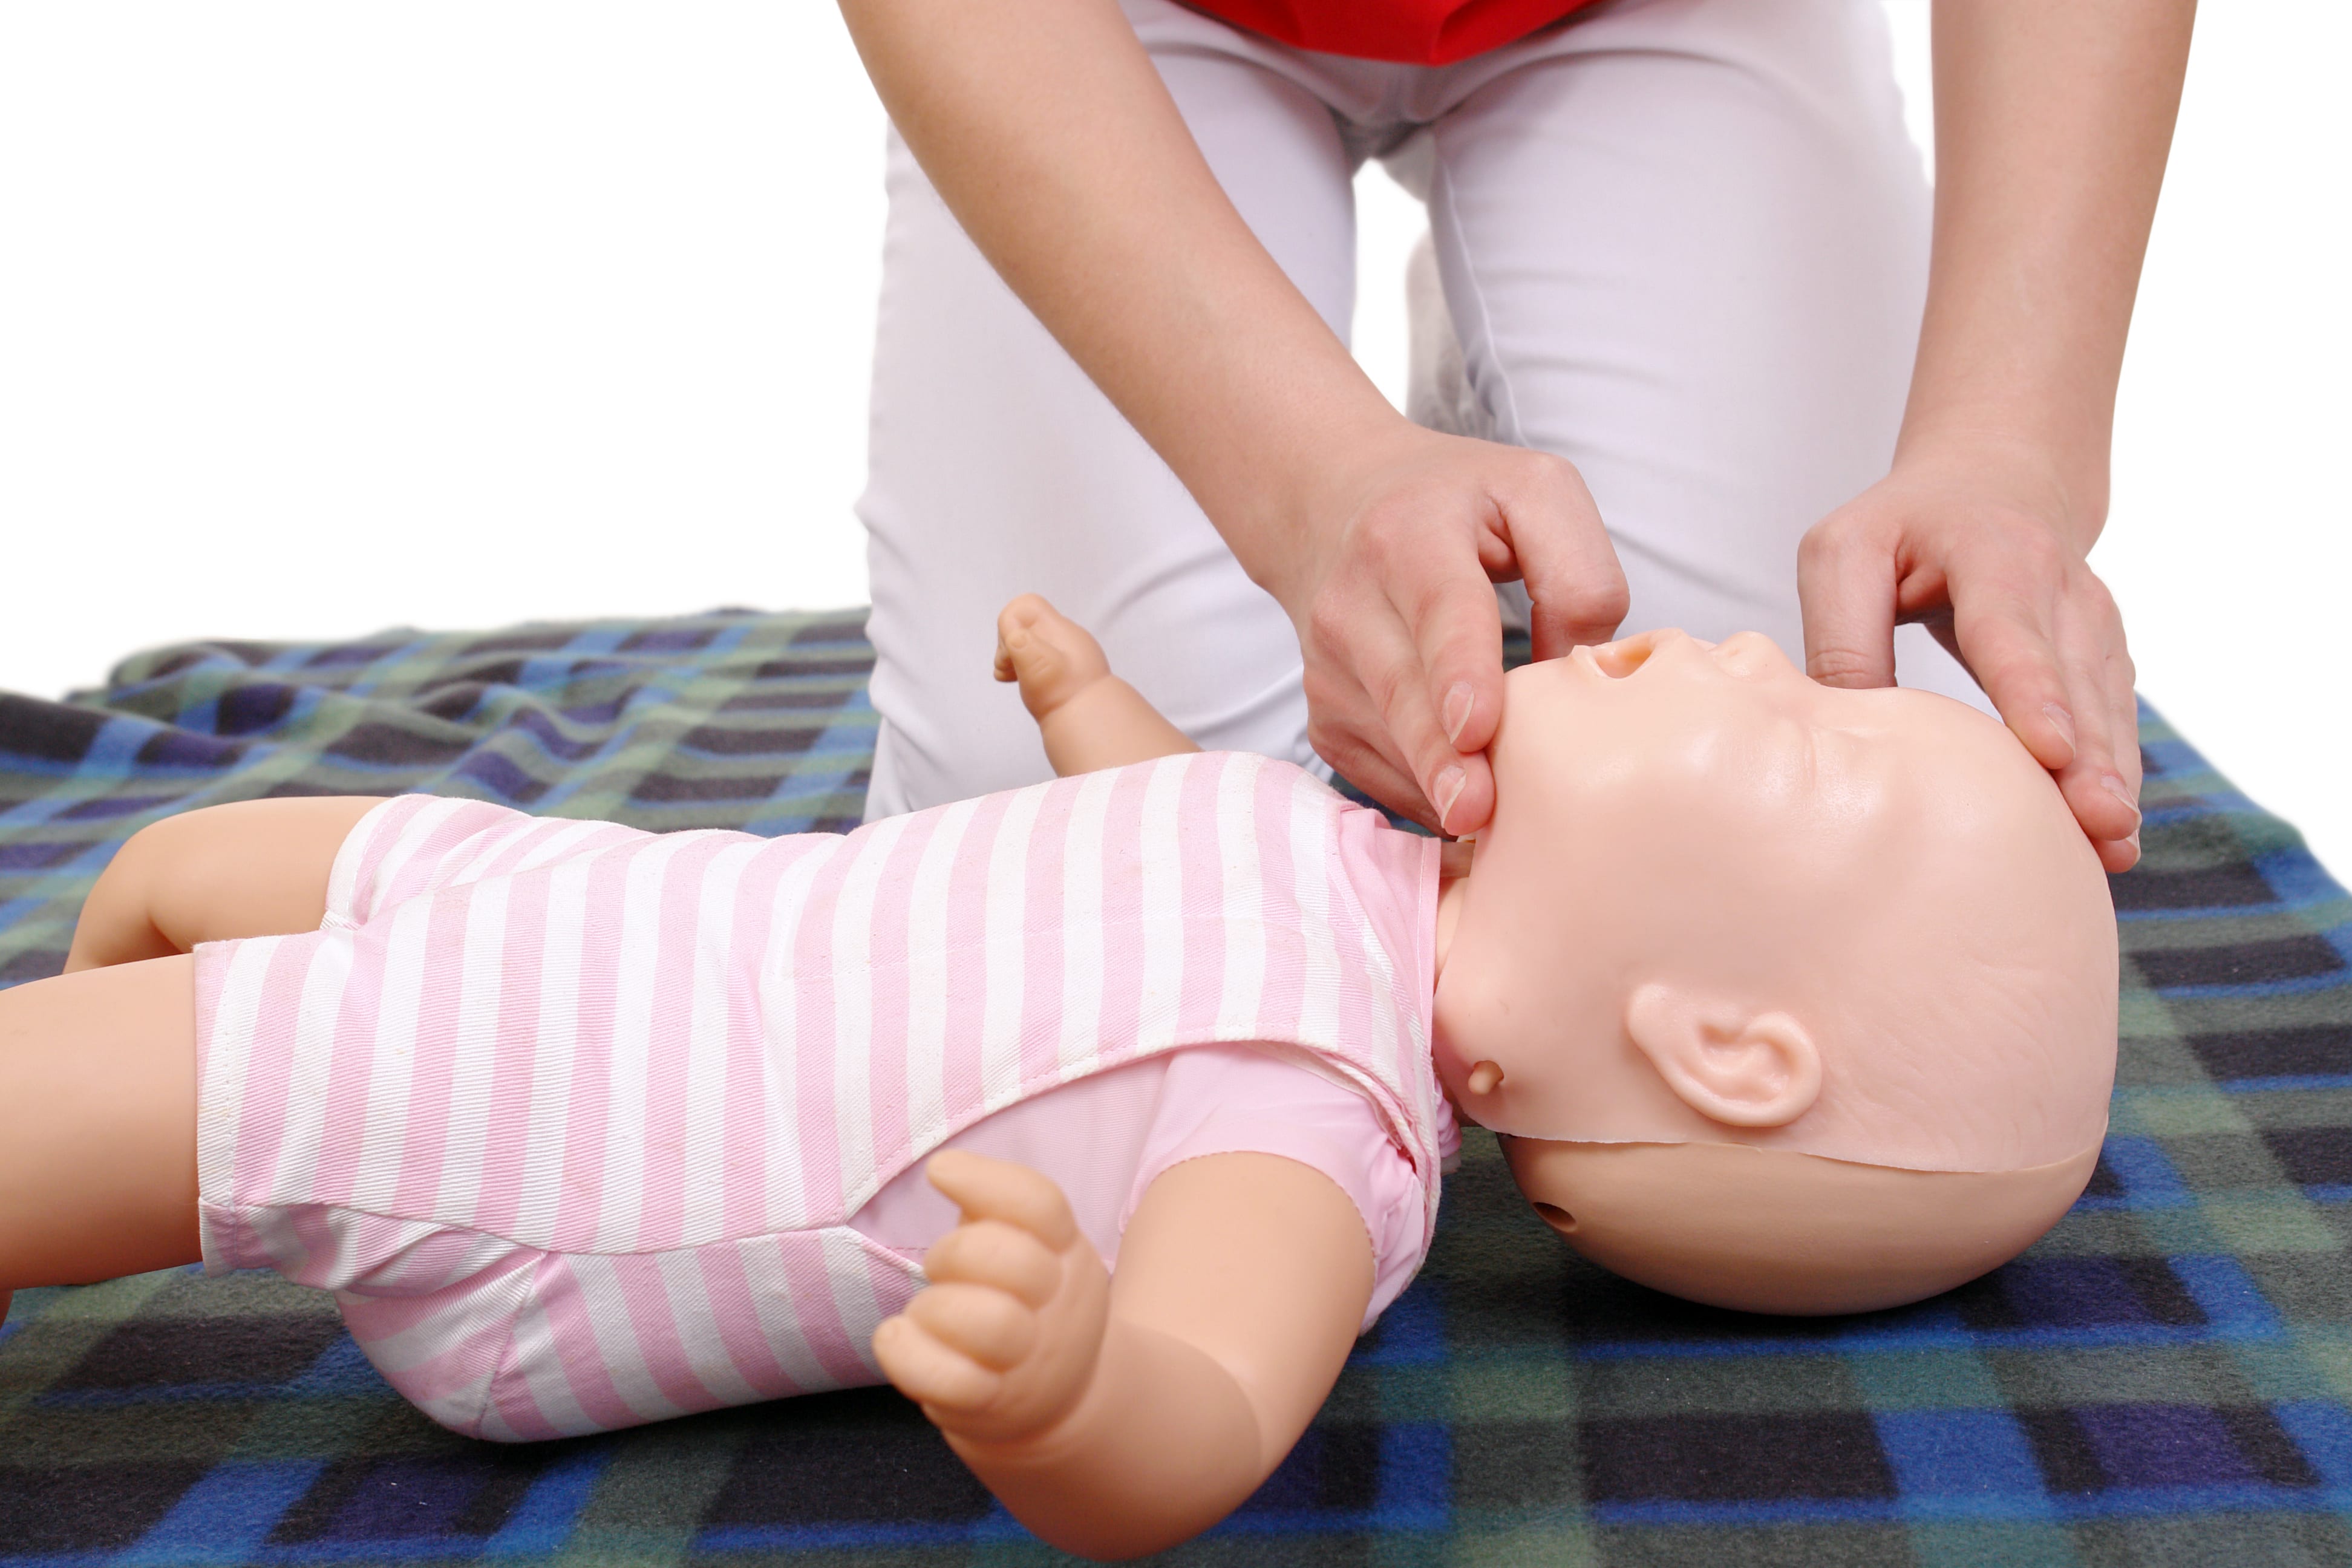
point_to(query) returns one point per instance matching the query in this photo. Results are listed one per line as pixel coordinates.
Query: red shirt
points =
(1412, 32)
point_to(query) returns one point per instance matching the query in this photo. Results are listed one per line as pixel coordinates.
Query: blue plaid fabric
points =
(2165, 1379)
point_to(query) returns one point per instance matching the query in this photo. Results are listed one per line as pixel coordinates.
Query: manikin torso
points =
(781, 1029)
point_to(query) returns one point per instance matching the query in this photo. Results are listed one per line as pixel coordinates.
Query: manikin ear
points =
(1732, 1066)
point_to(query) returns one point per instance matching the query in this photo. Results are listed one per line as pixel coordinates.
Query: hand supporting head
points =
(1720, 905)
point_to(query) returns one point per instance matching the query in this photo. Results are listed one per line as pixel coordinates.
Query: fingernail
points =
(1459, 700)
(1449, 790)
(2121, 791)
(2064, 720)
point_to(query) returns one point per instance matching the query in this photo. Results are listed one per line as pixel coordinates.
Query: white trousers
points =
(1681, 243)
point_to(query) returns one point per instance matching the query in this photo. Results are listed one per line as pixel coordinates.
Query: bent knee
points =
(248, 869)
(116, 924)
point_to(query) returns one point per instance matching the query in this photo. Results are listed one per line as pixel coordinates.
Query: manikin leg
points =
(258, 867)
(98, 1124)
(97, 1068)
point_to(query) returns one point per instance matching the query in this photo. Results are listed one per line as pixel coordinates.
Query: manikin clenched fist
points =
(1007, 1338)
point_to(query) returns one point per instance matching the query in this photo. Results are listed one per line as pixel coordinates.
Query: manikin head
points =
(1782, 998)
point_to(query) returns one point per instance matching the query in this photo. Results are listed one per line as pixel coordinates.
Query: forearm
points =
(1108, 725)
(1049, 134)
(2053, 124)
(1163, 1444)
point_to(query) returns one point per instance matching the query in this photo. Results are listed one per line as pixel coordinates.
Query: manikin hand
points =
(1008, 1336)
(1087, 717)
(1053, 658)
(1977, 545)
(1242, 1282)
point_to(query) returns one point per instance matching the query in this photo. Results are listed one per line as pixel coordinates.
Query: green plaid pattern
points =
(2163, 1380)
(719, 720)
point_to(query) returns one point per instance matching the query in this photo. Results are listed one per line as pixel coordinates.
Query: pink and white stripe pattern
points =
(572, 1116)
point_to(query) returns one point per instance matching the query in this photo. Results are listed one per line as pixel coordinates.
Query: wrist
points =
(2062, 481)
(1291, 495)
(1159, 1446)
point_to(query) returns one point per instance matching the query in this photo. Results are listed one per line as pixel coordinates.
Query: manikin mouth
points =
(1559, 1218)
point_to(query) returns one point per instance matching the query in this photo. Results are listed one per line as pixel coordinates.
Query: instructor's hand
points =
(1390, 579)
(1974, 541)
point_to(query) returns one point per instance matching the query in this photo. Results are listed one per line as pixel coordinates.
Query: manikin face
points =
(1720, 903)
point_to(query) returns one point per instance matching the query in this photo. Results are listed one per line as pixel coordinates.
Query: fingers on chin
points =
(1464, 807)
(1374, 774)
(1386, 780)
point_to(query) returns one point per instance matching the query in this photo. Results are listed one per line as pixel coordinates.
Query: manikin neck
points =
(1453, 887)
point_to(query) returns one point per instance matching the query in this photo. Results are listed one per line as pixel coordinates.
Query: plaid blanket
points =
(2165, 1379)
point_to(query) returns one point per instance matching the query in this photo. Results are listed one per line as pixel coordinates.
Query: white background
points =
(317, 317)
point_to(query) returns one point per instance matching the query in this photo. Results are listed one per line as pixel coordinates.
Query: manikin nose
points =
(1752, 654)
(1747, 653)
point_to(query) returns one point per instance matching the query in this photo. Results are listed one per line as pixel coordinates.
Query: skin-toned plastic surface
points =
(1087, 717)
(98, 1066)
(1768, 1231)
(1115, 1416)
(1857, 930)
(1784, 998)
(1724, 904)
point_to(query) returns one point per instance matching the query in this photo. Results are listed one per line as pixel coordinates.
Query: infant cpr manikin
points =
(1780, 997)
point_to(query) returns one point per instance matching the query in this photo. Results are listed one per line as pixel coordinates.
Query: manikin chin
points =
(1782, 998)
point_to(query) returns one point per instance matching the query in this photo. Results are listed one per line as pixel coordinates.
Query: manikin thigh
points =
(997, 468)
(98, 1124)
(1684, 246)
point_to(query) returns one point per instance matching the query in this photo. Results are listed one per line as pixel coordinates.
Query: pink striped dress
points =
(572, 1118)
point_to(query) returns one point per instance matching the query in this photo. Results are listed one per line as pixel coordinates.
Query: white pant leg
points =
(997, 468)
(1683, 244)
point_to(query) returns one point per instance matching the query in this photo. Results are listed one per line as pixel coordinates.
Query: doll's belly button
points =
(1559, 1218)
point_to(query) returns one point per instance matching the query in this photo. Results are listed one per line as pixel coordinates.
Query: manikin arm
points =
(1115, 1416)
(1088, 717)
